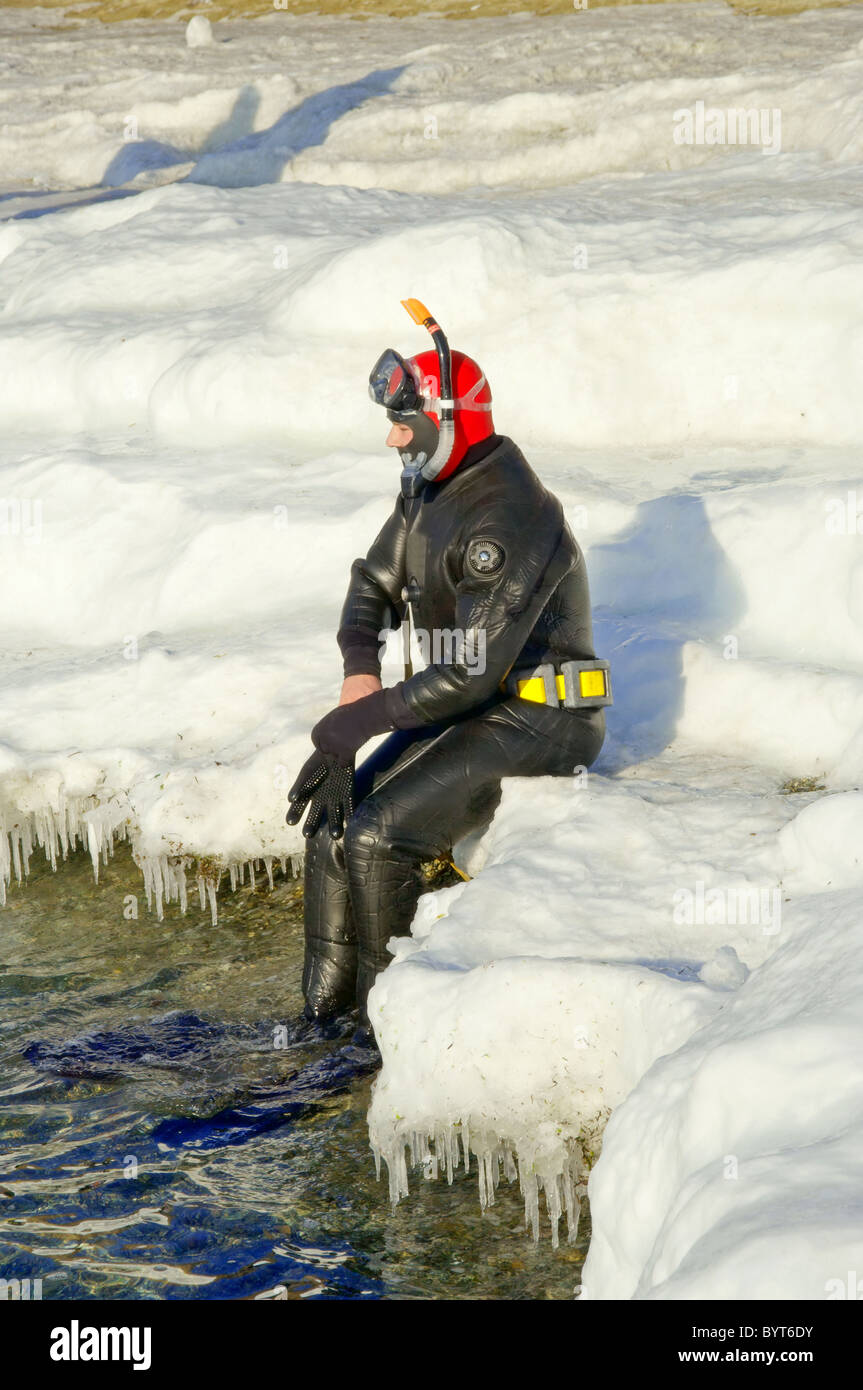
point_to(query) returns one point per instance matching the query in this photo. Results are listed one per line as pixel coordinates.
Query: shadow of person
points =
(239, 123)
(661, 583)
(138, 157)
(142, 156)
(260, 157)
(233, 155)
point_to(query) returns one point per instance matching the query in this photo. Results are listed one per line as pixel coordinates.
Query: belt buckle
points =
(548, 673)
(545, 672)
(573, 698)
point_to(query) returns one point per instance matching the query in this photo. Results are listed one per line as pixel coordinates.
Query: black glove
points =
(327, 778)
(308, 787)
(329, 784)
(345, 729)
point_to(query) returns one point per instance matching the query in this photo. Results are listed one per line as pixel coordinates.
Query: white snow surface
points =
(202, 250)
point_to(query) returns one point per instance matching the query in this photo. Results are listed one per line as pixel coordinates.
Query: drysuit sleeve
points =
(505, 585)
(373, 600)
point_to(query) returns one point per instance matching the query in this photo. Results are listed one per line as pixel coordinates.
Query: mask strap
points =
(468, 402)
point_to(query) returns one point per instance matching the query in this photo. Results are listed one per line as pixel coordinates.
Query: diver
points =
(478, 555)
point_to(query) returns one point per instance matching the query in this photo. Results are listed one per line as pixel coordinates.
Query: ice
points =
(564, 1185)
(58, 826)
(649, 990)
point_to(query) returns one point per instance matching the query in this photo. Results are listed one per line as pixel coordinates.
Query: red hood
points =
(472, 421)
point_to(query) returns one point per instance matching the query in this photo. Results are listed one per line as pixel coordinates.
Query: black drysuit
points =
(486, 553)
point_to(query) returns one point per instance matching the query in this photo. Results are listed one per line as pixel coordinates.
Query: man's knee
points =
(377, 831)
(368, 833)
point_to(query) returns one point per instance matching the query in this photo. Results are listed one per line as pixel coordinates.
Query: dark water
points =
(114, 1183)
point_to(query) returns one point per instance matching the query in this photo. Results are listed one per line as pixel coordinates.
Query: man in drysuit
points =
(479, 553)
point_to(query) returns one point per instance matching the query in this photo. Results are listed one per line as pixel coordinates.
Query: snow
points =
(199, 31)
(201, 254)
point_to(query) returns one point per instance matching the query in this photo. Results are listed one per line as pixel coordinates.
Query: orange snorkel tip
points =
(414, 477)
(420, 314)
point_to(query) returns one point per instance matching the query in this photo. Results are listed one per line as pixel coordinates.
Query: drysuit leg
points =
(330, 964)
(449, 789)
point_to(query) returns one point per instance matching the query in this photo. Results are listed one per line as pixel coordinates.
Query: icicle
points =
(483, 1176)
(144, 866)
(5, 860)
(444, 1139)
(63, 824)
(47, 835)
(26, 844)
(563, 1186)
(552, 1202)
(530, 1189)
(394, 1158)
(157, 884)
(572, 1205)
(490, 1165)
(16, 851)
(509, 1167)
(61, 827)
(93, 836)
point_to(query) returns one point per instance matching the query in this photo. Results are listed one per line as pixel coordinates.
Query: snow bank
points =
(190, 463)
(747, 1138)
(823, 846)
(690, 291)
(527, 1004)
(665, 336)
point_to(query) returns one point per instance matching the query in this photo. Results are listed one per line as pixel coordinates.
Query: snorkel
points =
(422, 470)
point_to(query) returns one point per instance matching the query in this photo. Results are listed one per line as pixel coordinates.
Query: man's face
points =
(399, 436)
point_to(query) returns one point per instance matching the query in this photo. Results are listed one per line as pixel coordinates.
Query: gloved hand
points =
(328, 783)
(347, 727)
(327, 778)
